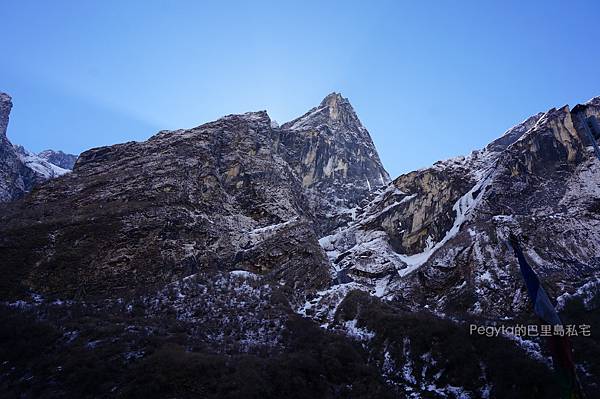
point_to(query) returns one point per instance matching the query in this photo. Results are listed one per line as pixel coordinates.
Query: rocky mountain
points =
(59, 158)
(245, 259)
(217, 197)
(435, 237)
(21, 170)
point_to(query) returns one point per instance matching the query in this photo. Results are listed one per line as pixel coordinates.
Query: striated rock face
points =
(334, 157)
(59, 158)
(20, 170)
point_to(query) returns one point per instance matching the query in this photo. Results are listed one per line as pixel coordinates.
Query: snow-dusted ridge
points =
(40, 166)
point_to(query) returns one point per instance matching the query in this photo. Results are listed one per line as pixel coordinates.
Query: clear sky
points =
(430, 80)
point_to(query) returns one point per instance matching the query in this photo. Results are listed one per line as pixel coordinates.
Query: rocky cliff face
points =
(261, 250)
(208, 230)
(229, 194)
(20, 170)
(5, 107)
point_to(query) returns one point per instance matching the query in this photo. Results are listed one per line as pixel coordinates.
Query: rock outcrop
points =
(5, 108)
(14, 176)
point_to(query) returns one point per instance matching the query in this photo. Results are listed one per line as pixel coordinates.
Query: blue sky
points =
(430, 80)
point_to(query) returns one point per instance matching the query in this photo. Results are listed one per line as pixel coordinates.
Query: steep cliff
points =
(14, 176)
(433, 242)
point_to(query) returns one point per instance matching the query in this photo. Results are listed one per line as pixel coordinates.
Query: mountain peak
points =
(332, 98)
(337, 106)
(334, 111)
(4, 97)
(252, 116)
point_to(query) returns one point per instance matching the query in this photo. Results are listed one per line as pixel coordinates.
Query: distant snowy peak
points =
(21, 170)
(59, 158)
(41, 167)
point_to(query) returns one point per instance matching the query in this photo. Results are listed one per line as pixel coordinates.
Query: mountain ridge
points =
(252, 238)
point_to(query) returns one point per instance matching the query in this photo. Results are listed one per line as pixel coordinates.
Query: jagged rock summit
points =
(335, 158)
(337, 114)
(11, 169)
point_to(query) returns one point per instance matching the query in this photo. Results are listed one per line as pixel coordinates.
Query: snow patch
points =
(244, 274)
(358, 333)
(587, 292)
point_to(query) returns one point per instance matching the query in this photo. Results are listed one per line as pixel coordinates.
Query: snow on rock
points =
(358, 333)
(532, 348)
(408, 366)
(225, 310)
(323, 306)
(244, 274)
(40, 166)
(455, 216)
(587, 293)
